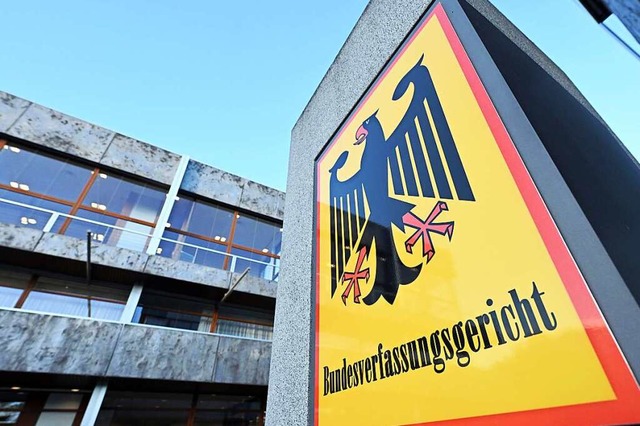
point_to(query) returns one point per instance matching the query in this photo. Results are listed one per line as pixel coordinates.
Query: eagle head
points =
(368, 125)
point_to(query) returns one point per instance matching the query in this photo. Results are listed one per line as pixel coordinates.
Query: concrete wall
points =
(54, 130)
(34, 342)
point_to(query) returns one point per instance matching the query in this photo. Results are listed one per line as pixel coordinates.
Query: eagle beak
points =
(361, 135)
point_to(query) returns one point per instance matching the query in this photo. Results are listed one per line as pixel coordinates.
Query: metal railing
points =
(234, 262)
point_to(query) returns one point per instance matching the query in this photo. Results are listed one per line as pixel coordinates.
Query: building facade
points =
(171, 322)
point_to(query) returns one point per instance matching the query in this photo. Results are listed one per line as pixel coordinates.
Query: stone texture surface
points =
(148, 352)
(141, 159)
(19, 237)
(64, 133)
(255, 285)
(38, 342)
(378, 32)
(233, 190)
(213, 183)
(262, 199)
(46, 343)
(242, 361)
(11, 108)
(75, 248)
(165, 267)
(628, 11)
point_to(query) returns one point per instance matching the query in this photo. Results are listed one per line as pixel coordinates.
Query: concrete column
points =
(91, 414)
(132, 304)
(168, 205)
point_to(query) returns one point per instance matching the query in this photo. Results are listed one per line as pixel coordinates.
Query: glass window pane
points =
(244, 322)
(175, 312)
(151, 400)
(24, 216)
(42, 173)
(228, 402)
(243, 329)
(133, 237)
(63, 401)
(261, 265)
(157, 417)
(210, 418)
(99, 290)
(202, 219)
(9, 417)
(70, 298)
(258, 234)
(56, 419)
(205, 253)
(11, 404)
(125, 197)
(12, 284)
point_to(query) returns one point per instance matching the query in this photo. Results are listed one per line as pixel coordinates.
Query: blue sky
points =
(224, 82)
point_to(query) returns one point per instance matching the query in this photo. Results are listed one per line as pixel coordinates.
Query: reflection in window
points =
(37, 172)
(12, 285)
(174, 312)
(42, 408)
(24, 216)
(258, 234)
(11, 407)
(73, 298)
(169, 310)
(261, 265)
(243, 322)
(203, 219)
(36, 179)
(184, 250)
(124, 197)
(134, 236)
(138, 408)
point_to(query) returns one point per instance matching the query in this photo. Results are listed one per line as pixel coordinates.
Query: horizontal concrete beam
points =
(34, 342)
(54, 130)
(30, 240)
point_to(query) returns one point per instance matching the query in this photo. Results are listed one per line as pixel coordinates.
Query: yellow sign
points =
(444, 291)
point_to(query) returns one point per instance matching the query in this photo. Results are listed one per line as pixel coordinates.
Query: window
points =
(198, 218)
(236, 321)
(193, 250)
(129, 408)
(258, 234)
(42, 408)
(34, 172)
(124, 197)
(11, 407)
(175, 312)
(215, 236)
(60, 409)
(261, 264)
(62, 296)
(12, 286)
(69, 297)
(38, 180)
(166, 310)
(133, 237)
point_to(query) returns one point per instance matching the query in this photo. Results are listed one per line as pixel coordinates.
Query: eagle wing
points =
(347, 218)
(423, 158)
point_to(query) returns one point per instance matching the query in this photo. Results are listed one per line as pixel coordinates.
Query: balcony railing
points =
(137, 237)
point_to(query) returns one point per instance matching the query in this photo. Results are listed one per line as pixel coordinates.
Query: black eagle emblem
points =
(416, 156)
